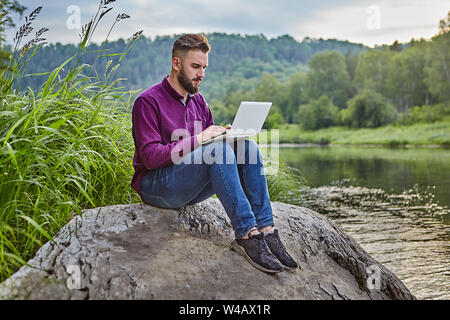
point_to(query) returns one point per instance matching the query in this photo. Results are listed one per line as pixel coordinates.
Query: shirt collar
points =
(174, 93)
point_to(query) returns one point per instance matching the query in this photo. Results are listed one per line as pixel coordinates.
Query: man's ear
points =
(176, 63)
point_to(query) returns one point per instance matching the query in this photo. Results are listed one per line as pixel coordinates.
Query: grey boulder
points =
(142, 252)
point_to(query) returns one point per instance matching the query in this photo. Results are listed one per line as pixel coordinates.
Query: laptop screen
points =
(250, 117)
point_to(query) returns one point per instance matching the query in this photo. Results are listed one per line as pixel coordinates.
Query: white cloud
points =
(343, 19)
(398, 20)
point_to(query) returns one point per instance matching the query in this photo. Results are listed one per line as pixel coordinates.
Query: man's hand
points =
(211, 131)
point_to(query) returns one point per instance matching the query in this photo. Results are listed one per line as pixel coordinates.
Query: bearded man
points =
(171, 171)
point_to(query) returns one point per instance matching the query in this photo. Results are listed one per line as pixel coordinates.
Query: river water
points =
(393, 202)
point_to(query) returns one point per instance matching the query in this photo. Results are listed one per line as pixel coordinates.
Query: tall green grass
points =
(286, 185)
(61, 151)
(68, 147)
(64, 148)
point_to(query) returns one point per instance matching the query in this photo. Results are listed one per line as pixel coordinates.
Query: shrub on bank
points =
(317, 114)
(367, 109)
(427, 113)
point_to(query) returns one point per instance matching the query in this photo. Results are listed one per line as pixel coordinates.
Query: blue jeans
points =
(232, 171)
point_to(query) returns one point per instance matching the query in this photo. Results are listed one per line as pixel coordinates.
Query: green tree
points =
(351, 62)
(405, 79)
(222, 114)
(396, 46)
(319, 113)
(269, 89)
(372, 70)
(328, 75)
(444, 24)
(367, 109)
(274, 119)
(437, 69)
(295, 95)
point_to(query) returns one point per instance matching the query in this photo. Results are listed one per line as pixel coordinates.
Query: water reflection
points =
(394, 203)
(393, 170)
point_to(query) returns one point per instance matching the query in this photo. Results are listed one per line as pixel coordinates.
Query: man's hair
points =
(191, 41)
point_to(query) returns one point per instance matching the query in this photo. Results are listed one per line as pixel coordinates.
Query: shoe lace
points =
(276, 241)
(264, 247)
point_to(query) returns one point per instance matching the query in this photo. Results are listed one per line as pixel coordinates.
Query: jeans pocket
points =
(156, 201)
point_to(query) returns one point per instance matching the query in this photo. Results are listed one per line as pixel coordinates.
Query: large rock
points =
(142, 252)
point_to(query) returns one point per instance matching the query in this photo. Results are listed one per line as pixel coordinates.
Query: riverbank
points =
(402, 231)
(394, 201)
(422, 134)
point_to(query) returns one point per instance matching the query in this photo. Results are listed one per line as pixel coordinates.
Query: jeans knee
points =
(248, 152)
(251, 146)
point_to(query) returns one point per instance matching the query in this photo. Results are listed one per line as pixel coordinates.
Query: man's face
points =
(192, 70)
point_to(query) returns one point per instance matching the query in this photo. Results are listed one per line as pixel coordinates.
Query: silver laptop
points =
(248, 122)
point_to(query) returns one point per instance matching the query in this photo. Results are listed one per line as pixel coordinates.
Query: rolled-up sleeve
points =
(147, 137)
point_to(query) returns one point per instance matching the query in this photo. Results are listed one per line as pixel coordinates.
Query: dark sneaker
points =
(277, 248)
(255, 250)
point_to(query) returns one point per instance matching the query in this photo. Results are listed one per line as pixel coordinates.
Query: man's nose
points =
(201, 73)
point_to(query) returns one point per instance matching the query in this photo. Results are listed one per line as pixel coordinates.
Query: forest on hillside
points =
(316, 83)
(235, 60)
(391, 84)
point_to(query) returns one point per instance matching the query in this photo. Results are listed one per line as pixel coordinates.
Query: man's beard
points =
(186, 83)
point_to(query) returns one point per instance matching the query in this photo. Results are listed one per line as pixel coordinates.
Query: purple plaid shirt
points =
(164, 127)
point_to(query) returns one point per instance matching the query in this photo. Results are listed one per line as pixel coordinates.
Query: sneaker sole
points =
(236, 247)
(289, 268)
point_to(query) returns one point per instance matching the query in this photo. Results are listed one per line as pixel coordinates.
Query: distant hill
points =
(235, 60)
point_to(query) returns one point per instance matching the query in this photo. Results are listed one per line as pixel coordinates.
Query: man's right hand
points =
(210, 132)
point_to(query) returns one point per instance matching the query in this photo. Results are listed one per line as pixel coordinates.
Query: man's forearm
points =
(199, 138)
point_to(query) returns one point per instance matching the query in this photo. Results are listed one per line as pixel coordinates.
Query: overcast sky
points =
(364, 21)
